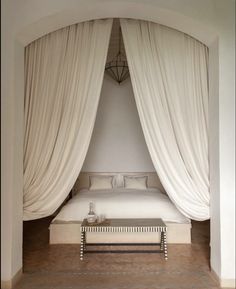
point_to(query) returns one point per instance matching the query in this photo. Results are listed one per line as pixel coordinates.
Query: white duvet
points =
(122, 203)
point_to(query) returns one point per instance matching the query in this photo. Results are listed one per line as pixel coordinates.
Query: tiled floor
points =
(59, 267)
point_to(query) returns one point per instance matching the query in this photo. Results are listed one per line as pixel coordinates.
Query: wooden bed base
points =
(69, 233)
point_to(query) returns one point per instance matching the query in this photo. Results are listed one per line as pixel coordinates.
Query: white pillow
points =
(100, 182)
(134, 182)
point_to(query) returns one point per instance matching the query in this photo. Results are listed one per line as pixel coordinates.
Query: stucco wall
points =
(117, 143)
(210, 21)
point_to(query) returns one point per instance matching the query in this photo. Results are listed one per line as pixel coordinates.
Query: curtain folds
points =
(169, 74)
(63, 78)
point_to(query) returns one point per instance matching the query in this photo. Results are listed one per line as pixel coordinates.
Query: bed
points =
(119, 202)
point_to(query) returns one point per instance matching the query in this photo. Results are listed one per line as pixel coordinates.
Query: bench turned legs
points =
(82, 245)
(165, 246)
(162, 241)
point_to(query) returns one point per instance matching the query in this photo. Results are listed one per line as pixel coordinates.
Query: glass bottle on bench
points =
(91, 217)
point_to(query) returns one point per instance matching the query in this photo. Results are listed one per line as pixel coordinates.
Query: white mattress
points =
(122, 203)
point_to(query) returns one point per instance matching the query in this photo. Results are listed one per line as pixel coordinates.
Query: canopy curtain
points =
(63, 78)
(169, 74)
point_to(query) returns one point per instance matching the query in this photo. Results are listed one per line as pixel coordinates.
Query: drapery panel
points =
(63, 78)
(169, 74)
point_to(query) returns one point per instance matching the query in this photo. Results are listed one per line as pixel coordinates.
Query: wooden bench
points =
(123, 226)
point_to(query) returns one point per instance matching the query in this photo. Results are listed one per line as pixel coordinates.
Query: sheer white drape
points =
(169, 74)
(63, 78)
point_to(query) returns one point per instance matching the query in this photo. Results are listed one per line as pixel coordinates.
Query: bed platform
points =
(69, 233)
(65, 227)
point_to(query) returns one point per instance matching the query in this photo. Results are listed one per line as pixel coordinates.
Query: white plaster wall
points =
(207, 20)
(117, 143)
(226, 24)
(222, 144)
(214, 155)
(11, 151)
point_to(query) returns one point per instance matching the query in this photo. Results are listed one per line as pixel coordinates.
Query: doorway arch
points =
(54, 15)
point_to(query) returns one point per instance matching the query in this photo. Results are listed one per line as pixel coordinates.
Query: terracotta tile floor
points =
(59, 267)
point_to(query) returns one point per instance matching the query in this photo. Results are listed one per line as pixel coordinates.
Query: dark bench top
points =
(127, 223)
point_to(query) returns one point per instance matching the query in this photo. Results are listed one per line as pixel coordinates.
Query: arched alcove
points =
(33, 19)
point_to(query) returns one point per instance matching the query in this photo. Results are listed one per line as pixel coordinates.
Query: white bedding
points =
(122, 203)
